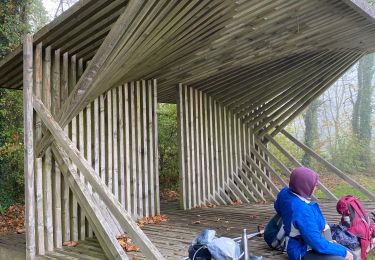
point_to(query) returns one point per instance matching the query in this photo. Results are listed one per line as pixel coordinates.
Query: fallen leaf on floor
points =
(21, 231)
(13, 219)
(217, 219)
(127, 244)
(197, 222)
(169, 195)
(207, 206)
(70, 243)
(236, 202)
(152, 220)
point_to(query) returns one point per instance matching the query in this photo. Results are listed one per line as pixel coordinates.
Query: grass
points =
(341, 188)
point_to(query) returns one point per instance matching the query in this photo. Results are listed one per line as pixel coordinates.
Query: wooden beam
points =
(330, 166)
(124, 218)
(96, 215)
(290, 157)
(29, 146)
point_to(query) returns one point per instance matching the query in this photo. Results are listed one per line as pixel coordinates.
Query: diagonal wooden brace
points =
(122, 216)
(97, 217)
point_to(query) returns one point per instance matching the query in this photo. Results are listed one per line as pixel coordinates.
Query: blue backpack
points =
(274, 234)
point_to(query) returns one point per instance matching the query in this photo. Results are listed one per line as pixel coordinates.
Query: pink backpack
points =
(360, 223)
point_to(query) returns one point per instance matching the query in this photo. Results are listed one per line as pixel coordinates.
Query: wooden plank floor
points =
(174, 236)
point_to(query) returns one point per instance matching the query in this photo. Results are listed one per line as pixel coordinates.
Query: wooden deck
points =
(174, 236)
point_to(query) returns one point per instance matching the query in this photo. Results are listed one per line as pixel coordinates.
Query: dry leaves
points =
(169, 195)
(204, 206)
(236, 202)
(127, 244)
(197, 222)
(13, 221)
(152, 220)
(70, 243)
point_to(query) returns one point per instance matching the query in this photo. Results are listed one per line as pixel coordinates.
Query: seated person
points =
(303, 221)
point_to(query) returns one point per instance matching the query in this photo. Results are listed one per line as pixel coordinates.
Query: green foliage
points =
(168, 148)
(348, 156)
(11, 147)
(16, 18)
(287, 145)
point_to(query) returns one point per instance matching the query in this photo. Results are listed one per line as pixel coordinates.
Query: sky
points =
(51, 6)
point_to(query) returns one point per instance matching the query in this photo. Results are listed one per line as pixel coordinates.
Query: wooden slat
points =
(89, 149)
(329, 166)
(139, 151)
(47, 161)
(156, 143)
(65, 188)
(56, 90)
(181, 147)
(151, 147)
(133, 146)
(115, 144)
(145, 177)
(290, 157)
(109, 143)
(127, 149)
(74, 204)
(121, 172)
(29, 147)
(39, 214)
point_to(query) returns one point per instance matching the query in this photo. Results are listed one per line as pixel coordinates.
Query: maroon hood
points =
(303, 181)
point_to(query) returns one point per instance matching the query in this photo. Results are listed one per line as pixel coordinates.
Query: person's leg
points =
(311, 255)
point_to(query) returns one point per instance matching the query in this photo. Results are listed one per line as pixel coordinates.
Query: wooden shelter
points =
(239, 72)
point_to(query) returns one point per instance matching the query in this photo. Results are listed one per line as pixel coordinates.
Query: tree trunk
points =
(311, 129)
(361, 119)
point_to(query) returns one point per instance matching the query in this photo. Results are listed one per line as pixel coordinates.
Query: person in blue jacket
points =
(304, 223)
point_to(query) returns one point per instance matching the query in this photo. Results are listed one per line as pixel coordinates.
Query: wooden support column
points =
(29, 146)
(39, 161)
(47, 162)
(57, 224)
(65, 185)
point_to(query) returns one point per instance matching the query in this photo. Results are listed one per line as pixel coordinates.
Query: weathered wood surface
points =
(212, 162)
(174, 236)
(29, 146)
(122, 216)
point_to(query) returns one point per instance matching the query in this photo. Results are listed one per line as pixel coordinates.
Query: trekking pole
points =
(244, 246)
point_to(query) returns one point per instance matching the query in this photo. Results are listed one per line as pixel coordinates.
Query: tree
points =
(63, 6)
(17, 17)
(361, 118)
(311, 129)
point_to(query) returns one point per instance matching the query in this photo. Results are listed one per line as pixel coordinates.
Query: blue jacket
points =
(303, 223)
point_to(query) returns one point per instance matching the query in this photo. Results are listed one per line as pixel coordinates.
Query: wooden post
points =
(38, 161)
(66, 190)
(29, 146)
(156, 141)
(47, 164)
(127, 149)
(57, 235)
(151, 145)
(145, 151)
(181, 143)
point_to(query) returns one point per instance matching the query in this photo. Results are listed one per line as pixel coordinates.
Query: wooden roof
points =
(245, 53)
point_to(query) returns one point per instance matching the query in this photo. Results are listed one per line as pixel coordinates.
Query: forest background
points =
(339, 125)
